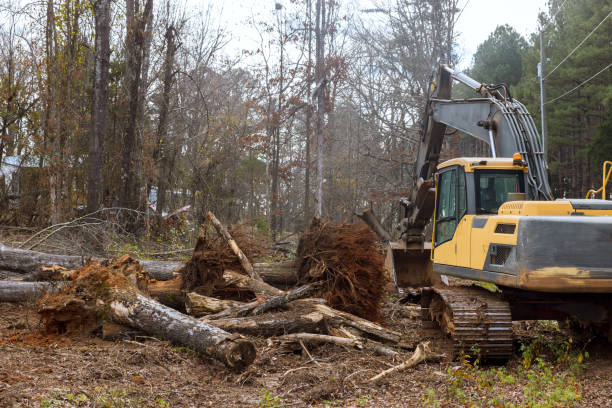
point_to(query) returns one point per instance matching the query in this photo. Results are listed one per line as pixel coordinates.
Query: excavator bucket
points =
(410, 265)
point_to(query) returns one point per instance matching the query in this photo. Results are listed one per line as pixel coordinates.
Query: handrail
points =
(605, 178)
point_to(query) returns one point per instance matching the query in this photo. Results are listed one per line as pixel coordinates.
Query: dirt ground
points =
(38, 370)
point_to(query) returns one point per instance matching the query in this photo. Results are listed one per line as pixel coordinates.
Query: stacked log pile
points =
(219, 296)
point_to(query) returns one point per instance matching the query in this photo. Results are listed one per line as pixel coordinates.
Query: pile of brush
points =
(212, 255)
(345, 258)
(219, 296)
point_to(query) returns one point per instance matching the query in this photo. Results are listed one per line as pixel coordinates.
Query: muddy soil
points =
(41, 370)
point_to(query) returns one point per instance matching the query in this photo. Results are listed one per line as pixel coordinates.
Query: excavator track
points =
(476, 319)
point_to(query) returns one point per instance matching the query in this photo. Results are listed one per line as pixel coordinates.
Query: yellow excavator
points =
(493, 219)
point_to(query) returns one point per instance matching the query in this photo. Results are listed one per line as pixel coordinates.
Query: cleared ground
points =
(58, 371)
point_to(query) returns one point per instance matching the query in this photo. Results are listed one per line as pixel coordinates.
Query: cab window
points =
(493, 187)
(446, 209)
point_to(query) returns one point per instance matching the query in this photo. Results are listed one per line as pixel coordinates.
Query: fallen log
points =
(369, 218)
(15, 291)
(198, 305)
(247, 309)
(161, 270)
(28, 263)
(366, 328)
(21, 260)
(169, 293)
(241, 309)
(313, 338)
(421, 353)
(238, 311)
(283, 299)
(134, 310)
(246, 283)
(244, 261)
(272, 324)
(277, 273)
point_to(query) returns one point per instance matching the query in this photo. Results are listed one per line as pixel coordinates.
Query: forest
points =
(139, 105)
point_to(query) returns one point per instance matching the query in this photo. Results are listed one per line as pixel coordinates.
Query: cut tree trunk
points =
(313, 338)
(283, 274)
(161, 270)
(24, 261)
(140, 312)
(244, 261)
(283, 299)
(15, 291)
(336, 318)
(169, 293)
(198, 305)
(246, 283)
(272, 324)
(21, 260)
(369, 218)
(238, 311)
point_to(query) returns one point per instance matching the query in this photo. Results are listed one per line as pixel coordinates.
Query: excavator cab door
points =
(445, 221)
(451, 239)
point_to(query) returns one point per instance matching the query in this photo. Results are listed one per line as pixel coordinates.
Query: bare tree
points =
(137, 22)
(162, 129)
(321, 82)
(100, 101)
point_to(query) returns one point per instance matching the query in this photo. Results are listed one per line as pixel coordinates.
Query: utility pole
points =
(541, 71)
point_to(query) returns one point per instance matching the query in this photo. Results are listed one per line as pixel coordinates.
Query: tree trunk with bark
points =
(100, 102)
(369, 218)
(162, 129)
(246, 283)
(272, 324)
(140, 312)
(29, 262)
(15, 291)
(244, 261)
(198, 305)
(320, 80)
(136, 27)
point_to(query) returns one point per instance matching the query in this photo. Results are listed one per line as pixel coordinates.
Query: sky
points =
(474, 28)
(478, 19)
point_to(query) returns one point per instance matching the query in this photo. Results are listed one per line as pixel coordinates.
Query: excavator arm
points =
(495, 118)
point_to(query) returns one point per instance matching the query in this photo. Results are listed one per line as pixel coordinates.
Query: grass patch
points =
(545, 378)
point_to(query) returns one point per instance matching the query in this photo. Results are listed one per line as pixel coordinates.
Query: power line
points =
(578, 46)
(552, 19)
(578, 86)
(461, 12)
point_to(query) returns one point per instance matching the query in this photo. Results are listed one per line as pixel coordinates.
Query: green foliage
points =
(268, 400)
(574, 120)
(262, 224)
(102, 397)
(498, 59)
(547, 376)
(364, 399)
(601, 147)
(491, 287)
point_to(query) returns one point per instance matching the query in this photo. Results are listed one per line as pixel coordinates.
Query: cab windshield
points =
(493, 186)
